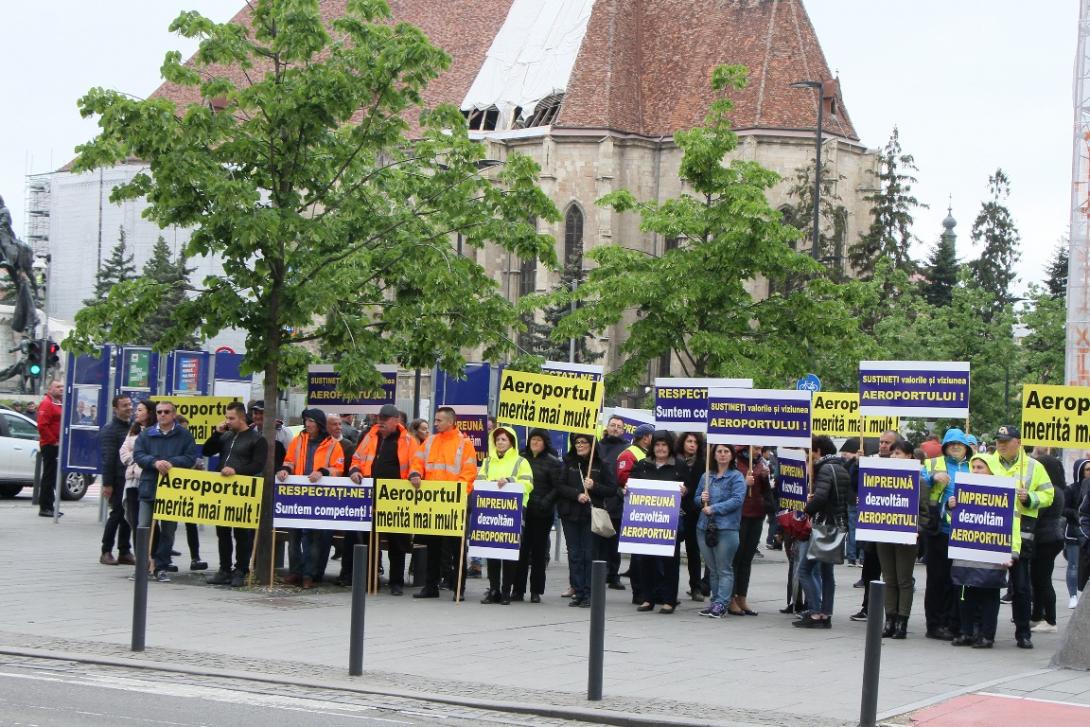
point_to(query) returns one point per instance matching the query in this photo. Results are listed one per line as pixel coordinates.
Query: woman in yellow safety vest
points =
(978, 584)
(504, 465)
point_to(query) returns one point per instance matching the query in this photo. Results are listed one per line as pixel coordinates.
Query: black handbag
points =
(711, 534)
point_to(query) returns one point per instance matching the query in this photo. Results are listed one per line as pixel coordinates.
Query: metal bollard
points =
(872, 656)
(140, 590)
(359, 605)
(597, 629)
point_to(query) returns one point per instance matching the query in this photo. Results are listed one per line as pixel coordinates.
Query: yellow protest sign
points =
(202, 413)
(836, 414)
(435, 508)
(209, 498)
(546, 400)
(1055, 416)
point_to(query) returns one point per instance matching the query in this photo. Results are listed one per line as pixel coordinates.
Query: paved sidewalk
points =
(740, 670)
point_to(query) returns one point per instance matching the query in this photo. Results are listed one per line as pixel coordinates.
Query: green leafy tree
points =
(1043, 346)
(994, 228)
(834, 216)
(890, 233)
(169, 278)
(537, 337)
(298, 174)
(1056, 272)
(942, 272)
(117, 268)
(695, 301)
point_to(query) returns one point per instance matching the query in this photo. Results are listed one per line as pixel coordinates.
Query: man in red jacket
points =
(49, 437)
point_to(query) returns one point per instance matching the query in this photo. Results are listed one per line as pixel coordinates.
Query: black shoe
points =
(941, 634)
(584, 603)
(1006, 597)
(535, 598)
(198, 565)
(238, 579)
(575, 603)
(890, 628)
(518, 597)
(491, 597)
(901, 623)
(861, 616)
(1025, 643)
(616, 586)
(806, 622)
(395, 590)
(219, 578)
(175, 553)
(789, 609)
(859, 584)
(45, 513)
(964, 640)
(983, 643)
(505, 599)
(427, 593)
(171, 568)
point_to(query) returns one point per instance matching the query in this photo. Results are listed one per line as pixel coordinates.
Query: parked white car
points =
(19, 458)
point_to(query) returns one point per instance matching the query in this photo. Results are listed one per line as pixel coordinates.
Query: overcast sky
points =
(973, 85)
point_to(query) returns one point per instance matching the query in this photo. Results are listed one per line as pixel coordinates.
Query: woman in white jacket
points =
(144, 416)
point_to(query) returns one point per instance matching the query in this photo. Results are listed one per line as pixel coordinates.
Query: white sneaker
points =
(1044, 628)
(1073, 601)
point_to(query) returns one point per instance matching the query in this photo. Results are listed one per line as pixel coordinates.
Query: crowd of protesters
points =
(728, 495)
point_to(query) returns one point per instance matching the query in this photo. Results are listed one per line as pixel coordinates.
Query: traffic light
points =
(34, 358)
(53, 354)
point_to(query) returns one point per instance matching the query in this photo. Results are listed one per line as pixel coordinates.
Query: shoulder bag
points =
(827, 538)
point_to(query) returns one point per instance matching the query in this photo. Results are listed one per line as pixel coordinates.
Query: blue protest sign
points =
(495, 528)
(332, 503)
(791, 483)
(323, 391)
(889, 500)
(681, 405)
(761, 417)
(982, 521)
(921, 389)
(649, 522)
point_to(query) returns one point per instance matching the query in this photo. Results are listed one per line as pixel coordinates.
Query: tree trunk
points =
(266, 535)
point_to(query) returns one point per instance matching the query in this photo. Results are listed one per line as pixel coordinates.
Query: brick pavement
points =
(738, 670)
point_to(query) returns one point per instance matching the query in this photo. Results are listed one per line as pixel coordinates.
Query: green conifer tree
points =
(118, 267)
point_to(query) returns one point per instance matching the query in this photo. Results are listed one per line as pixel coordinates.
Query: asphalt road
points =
(45, 693)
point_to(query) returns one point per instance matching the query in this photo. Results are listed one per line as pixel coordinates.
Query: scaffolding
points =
(38, 201)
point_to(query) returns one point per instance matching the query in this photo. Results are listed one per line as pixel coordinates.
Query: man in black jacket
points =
(110, 440)
(611, 446)
(243, 452)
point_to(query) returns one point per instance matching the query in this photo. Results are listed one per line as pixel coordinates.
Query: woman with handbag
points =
(581, 489)
(720, 494)
(757, 505)
(659, 574)
(827, 506)
(898, 561)
(978, 584)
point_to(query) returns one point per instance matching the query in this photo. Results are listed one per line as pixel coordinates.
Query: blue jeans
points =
(580, 547)
(1071, 555)
(818, 582)
(853, 513)
(720, 562)
(308, 553)
(164, 539)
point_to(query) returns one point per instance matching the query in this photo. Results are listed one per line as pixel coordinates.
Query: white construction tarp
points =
(531, 57)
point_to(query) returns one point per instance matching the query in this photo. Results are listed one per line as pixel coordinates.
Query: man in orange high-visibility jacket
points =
(386, 452)
(315, 454)
(445, 456)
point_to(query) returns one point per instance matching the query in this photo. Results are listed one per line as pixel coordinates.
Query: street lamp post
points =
(815, 249)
